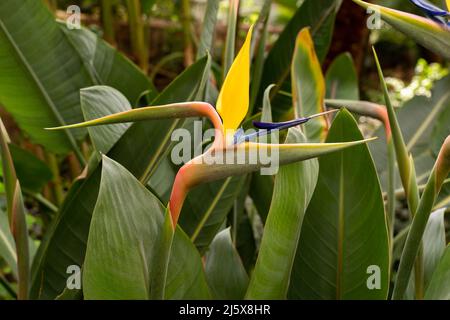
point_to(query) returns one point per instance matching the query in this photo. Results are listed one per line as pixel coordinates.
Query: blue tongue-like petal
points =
(430, 9)
(287, 124)
(268, 127)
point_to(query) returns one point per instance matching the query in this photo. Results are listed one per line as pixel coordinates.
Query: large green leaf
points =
(294, 186)
(426, 32)
(43, 71)
(317, 14)
(225, 273)
(124, 237)
(128, 241)
(138, 150)
(108, 66)
(341, 79)
(344, 232)
(438, 288)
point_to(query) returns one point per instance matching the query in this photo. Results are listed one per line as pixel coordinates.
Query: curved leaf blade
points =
(294, 186)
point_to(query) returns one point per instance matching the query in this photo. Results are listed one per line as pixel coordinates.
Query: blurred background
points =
(171, 29)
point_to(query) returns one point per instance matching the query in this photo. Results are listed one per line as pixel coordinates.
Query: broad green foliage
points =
(438, 288)
(141, 225)
(294, 186)
(65, 242)
(127, 245)
(124, 238)
(39, 98)
(341, 79)
(331, 262)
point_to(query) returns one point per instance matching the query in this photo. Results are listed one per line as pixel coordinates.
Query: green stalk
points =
(56, 181)
(412, 247)
(137, 33)
(16, 215)
(186, 20)
(230, 41)
(42, 200)
(109, 33)
(391, 191)
(406, 169)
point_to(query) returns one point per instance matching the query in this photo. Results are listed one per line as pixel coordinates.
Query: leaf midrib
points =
(38, 83)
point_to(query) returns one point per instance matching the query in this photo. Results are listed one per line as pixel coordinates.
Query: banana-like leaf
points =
(48, 97)
(99, 101)
(16, 216)
(426, 32)
(225, 273)
(341, 79)
(343, 252)
(208, 28)
(124, 238)
(108, 66)
(7, 244)
(317, 14)
(126, 247)
(438, 288)
(308, 86)
(434, 244)
(294, 186)
(139, 150)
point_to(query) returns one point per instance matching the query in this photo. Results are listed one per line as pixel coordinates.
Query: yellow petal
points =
(233, 101)
(448, 5)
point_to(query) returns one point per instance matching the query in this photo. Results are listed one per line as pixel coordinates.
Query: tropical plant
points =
(289, 200)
